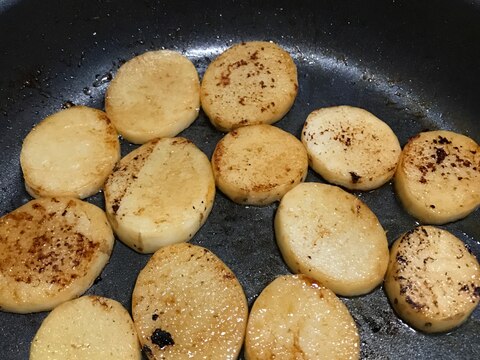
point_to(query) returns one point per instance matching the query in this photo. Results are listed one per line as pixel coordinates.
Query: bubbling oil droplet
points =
(87, 91)
(102, 79)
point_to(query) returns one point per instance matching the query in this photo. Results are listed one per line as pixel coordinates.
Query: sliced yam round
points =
(433, 280)
(156, 94)
(351, 147)
(295, 317)
(69, 153)
(160, 194)
(90, 327)
(51, 251)
(333, 237)
(250, 83)
(258, 164)
(438, 176)
(188, 304)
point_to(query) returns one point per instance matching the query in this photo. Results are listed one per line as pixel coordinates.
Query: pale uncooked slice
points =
(433, 280)
(87, 328)
(69, 153)
(156, 94)
(258, 164)
(160, 194)
(296, 317)
(51, 251)
(333, 237)
(188, 304)
(351, 147)
(438, 176)
(250, 83)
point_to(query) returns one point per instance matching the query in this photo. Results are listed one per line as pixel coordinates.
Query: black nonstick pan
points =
(414, 64)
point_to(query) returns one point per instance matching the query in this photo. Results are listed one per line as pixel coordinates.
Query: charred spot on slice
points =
(443, 140)
(355, 177)
(147, 351)
(413, 304)
(162, 338)
(441, 155)
(154, 317)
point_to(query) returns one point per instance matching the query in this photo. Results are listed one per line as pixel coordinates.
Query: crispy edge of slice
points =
(64, 327)
(40, 188)
(32, 278)
(125, 176)
(140, 134)
(345, 134)
(316, 293)
(409, 295)
(265, 182)
(245, 103)
(300, 260)
(413, 173)
(164, 279)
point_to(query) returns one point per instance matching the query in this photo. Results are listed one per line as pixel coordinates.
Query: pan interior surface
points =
(413, 65)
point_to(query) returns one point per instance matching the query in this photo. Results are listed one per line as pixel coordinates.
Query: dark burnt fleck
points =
(443, 140)
(413, 304)
(355, 177)
(162, 338)
(147, 351)
(441, 155)
(154, 317)
(401, 259)
(428, 324)
(468, 248)
(115, 208)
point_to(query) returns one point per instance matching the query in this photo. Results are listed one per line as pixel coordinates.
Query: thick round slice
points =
(160, 194)
(51, 251)
(351, 147)
(433, 280)
(250, 83)
(258, 164)
(296, 317)
(188, 304)
(156, 94)
(438, 176)
(333, 237)
(69, 153)
(90, 327)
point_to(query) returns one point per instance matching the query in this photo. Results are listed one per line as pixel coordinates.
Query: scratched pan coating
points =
(414, 65)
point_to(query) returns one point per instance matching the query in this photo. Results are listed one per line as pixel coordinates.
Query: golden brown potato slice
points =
(433, 280)
(296, 317)
(351, 147)
(51, 251)
(333, 237)
(438, 176)
(87, 328)
(188, 304)
(156, 94)
(69, 153)
(258, 164)
(160, 194)
(250, 83)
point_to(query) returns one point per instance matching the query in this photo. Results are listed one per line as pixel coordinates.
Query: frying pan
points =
(413, 64)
